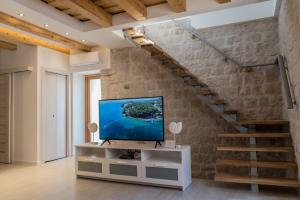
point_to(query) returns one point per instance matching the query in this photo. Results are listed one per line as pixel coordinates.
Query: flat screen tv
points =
(138, 119)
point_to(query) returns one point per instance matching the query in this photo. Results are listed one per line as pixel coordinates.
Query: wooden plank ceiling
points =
(7, 45)
(101, 11)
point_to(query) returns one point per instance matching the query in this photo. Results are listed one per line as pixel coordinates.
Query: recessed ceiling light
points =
(82, 40)
(46, 25)
(67, 33)
(21, 14)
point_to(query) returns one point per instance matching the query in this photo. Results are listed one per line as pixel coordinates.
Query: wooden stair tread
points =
(206, 91)
(230, 178)
(230, 112)
(182, 73)
(217, 101)
(131, 32)
(254, 149)
(263, 122)
(152, 48)
(195, 82)
(257, 135)
(170, 63)
(142, 41)
(254, 163)
(160, 56)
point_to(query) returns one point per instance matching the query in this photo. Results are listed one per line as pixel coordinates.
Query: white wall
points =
(25, 145)
(28, 132)
(51, 59)
(78, 108)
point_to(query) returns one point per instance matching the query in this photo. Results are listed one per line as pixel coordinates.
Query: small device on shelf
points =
(131, 154)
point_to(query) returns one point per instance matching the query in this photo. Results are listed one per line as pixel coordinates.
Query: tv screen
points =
(139, 119)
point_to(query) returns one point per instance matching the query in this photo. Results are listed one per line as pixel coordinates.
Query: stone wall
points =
(136, 74)
(289, 32)
(256, 93)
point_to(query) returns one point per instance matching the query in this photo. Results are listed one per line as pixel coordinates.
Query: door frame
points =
(42, 114)
(88, 78)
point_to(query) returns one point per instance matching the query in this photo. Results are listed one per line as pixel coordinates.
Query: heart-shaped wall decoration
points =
(175, 128)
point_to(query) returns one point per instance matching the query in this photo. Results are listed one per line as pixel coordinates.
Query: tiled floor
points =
(56, 181)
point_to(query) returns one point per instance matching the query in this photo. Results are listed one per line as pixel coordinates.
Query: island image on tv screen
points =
(132, 119)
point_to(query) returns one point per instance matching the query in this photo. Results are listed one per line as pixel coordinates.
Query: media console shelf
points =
(156, 166)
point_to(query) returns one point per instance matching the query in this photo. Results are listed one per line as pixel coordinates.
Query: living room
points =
(149, 99)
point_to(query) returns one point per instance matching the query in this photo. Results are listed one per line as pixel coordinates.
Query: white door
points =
(61, 113)
(5, 118)
(55, 139)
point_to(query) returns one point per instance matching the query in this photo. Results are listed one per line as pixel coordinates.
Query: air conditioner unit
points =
(85, 59)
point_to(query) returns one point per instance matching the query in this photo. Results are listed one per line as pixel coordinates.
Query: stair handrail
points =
(286, 82)
(198, 36)
(227, 57)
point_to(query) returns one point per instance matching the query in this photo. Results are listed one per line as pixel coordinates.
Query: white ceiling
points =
(40, 14)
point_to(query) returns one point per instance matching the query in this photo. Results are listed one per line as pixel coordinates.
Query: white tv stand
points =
(156, 166)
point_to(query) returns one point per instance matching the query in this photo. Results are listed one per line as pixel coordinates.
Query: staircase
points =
(248, 130)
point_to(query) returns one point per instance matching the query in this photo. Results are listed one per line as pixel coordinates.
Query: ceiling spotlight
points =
(46, 25)
(67, 33)
(21, 14)
(82, 40)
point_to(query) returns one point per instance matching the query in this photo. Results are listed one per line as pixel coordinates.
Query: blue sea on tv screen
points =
(131, 119)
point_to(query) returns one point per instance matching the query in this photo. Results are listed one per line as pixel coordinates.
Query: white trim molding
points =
(16, 69)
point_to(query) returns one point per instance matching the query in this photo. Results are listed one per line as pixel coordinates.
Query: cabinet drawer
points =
(162, 173)
(90, 167)
(124, 170)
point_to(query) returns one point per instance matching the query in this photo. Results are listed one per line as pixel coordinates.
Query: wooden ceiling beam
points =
(177, 5)
(135, 8)
(7, 45)
(88, 9)
(26, 39)
(31, 28)
(223, 1)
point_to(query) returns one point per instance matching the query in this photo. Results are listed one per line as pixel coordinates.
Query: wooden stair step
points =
(263, 122)
(206, 91)
(132, 32)
(255, 149)
(142, 41)
(230, 112)
(230, 178)
(152, 48)
(160, 56)
(195, 82)
(138, 36)
(170, 63)
(256, 135)
(217, 101)
(182, 73)
(254, 163)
